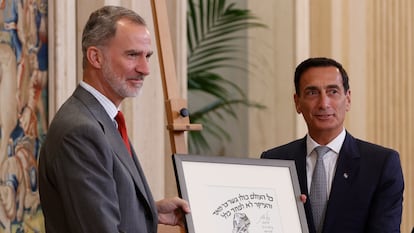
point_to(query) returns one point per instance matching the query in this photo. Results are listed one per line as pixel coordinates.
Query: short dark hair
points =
(101, 26)
(319, 62)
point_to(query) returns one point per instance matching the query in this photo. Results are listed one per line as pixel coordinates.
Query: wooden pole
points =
(175, 107)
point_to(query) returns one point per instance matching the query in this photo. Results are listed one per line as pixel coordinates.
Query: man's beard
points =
(119, 86)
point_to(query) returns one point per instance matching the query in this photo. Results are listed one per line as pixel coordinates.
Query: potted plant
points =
(213, 29)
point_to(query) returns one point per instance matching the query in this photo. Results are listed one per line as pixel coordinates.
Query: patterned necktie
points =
(318, 191)
(120, 119)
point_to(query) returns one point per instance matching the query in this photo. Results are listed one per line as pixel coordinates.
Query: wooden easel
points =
(176, 108)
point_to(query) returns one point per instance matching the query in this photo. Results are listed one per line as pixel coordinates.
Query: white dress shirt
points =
(106, 103)
(329, 160)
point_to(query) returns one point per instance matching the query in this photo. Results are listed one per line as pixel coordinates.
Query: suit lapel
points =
(300, 153)
(297, 151)
(127, 160)
(116, 142)
(134, 168)
(347, 169)
(145, 186)
(300, 160)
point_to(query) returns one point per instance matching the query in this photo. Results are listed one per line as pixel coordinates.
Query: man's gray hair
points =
(102, 24)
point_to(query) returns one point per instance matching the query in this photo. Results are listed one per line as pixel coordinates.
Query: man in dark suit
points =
(90, 177)
(363, 182)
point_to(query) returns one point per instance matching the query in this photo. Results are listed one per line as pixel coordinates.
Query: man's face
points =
(323, 102)
(126, 60)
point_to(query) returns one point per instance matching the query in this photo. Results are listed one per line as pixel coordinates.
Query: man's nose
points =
(324, 100)
(142, 66)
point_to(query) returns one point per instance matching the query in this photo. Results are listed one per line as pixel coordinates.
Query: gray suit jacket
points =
(88, 181)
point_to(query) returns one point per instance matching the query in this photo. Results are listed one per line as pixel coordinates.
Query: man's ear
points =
(297, 106)
(95, 57)
(348, 100)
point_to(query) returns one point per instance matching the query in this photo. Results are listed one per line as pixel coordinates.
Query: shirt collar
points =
(106, 103)
(335, 145)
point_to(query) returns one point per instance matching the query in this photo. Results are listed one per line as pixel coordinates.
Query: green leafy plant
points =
(213, 27)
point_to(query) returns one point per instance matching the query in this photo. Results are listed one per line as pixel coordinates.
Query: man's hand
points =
(303, 198)
(171, 211)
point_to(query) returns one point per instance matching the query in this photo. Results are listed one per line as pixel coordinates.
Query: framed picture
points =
(240, 195)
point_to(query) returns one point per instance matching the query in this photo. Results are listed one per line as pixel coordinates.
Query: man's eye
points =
(312, 92)
(149, 54)
(333, 91)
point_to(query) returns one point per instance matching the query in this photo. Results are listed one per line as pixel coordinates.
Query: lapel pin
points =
(346, 175)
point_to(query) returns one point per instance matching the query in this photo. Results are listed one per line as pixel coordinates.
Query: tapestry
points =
(23, 112)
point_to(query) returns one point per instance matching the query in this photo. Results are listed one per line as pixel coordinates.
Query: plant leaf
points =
(213, 27)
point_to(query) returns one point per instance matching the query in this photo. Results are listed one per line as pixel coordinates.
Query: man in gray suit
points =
(90, 180)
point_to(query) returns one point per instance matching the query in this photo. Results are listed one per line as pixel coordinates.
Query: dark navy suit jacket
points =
(367, 189)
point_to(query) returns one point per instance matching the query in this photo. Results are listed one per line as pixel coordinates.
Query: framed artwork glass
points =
(240, 195)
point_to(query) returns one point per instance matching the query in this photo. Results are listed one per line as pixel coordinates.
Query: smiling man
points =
(353, 186)
(90, 178)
